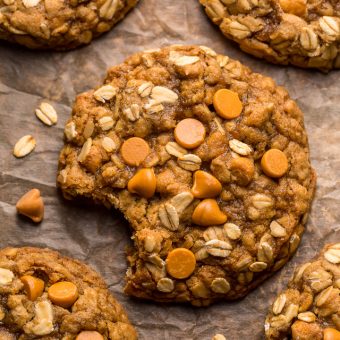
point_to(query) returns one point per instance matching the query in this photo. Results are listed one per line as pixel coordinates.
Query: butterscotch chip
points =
(331, 334)
(189, 133)
(134, 151)
(40, 24)
(63, 294)
(205, 185)
(207, 169)
(31, 205)
(28, 311)
(208, 213)
(296, 7)
(274, 163)
(89, 335)
(243, 170)
(34, 286)
(227, 104)
(266, 29)
(180, 263)
(143, 183)
(310, 307)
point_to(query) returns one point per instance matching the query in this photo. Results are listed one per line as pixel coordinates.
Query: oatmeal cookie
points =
(304, 33)
(44, 295)
(310, 308)
(59, 24)
(209, 163)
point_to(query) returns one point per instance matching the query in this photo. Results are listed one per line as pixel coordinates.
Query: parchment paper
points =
(99, 236)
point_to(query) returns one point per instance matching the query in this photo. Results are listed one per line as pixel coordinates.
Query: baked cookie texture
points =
(59, 24)
(304, 33)
(310, 307)
(44, 295)
(208, 224)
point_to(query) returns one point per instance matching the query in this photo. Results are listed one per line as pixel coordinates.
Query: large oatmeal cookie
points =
(305, 33)
(310, 308)
(44, 295)
(209, 163)
(59, 24)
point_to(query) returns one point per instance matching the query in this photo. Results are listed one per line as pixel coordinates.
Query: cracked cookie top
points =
(304, 33)
(310, 307)
(59, 24)
(44, 295)
(207, 160)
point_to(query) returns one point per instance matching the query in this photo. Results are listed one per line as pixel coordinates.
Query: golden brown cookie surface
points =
(212, 196)
(310, 307)
(304, 33)
(59, 24)
(47, 296)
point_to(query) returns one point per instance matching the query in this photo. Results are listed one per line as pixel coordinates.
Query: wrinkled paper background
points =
(99, 236)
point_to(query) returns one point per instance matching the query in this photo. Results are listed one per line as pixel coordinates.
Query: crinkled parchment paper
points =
(99, 236)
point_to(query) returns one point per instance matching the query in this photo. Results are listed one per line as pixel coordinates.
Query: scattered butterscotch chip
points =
(205, 185)
(227, 104)
(274, 163)
(31, 205)
(34, 286)
(180, 263)
(143, 183)
(208, 213)
(189, 133)
(134, 150)
(331, 334)
(243, 170)
(63, 294)
(89, 335)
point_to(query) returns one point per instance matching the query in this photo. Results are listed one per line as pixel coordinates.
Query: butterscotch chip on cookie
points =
(59, 24)
(310, 307)
(210, 220)
(44, 295)
(304, 33)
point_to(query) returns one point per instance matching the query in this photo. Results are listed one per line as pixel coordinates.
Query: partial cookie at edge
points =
(304, 33)
(310, 307)
(34, 303)
(58, 24)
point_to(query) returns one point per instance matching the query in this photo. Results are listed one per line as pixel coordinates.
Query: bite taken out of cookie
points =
(209, 163)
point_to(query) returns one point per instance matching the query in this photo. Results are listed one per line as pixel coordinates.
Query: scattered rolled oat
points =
(47, 114)
(24, 146)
